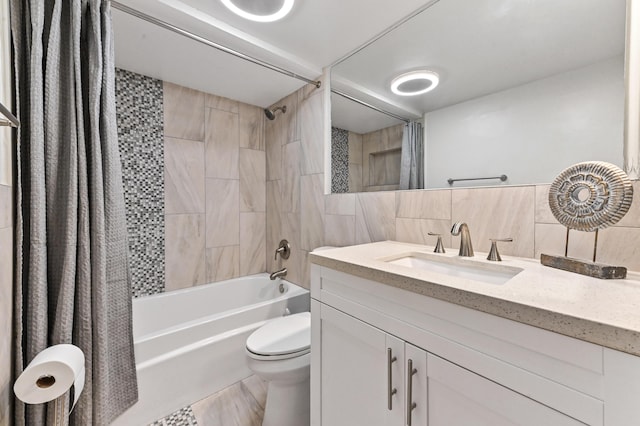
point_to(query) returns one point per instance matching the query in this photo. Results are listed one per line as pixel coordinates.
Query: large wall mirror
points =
(526, 88)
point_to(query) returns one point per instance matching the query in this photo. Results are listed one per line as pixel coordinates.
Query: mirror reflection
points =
(525, 90)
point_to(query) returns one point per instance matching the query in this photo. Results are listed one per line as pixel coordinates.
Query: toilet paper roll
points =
(52, 373)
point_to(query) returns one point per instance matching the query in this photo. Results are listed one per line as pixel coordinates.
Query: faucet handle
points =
(439, 246)
(493, 253)
(284, 249)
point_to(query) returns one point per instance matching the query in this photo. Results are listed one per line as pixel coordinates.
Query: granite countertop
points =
(604, 312)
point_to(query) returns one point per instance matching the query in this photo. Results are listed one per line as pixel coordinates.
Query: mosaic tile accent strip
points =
(141, 142)
(339, 160)
(182, 417)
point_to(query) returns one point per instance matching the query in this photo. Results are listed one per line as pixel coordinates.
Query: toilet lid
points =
(282, 336)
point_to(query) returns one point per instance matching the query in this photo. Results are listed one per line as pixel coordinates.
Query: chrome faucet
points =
(278, 274)
(461, 228)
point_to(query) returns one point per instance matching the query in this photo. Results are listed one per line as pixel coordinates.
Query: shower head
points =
(271, 113)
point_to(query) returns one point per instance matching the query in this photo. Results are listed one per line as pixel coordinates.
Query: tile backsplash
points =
(520, 212)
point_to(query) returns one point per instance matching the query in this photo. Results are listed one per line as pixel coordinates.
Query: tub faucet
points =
(461, 228)
(278, 274)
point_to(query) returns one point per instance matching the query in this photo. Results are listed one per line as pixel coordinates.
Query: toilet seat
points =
(282, 338)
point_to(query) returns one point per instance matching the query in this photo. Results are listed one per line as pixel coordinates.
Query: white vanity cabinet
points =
(471, 368)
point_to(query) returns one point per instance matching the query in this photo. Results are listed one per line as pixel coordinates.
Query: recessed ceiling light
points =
(250, 7)
(415, 83)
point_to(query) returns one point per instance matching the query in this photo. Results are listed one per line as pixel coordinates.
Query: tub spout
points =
(278, 274)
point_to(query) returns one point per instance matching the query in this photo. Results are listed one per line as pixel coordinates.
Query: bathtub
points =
(190, 343)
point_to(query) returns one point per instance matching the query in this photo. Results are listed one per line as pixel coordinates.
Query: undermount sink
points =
(456, 267)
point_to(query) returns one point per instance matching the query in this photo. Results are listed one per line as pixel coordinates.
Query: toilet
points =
(279, 353)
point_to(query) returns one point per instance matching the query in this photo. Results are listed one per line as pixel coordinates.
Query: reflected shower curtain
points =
(412, 157)
(72, 276)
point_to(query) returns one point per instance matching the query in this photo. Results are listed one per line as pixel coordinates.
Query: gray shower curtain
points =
(72, 276)
(412, 157)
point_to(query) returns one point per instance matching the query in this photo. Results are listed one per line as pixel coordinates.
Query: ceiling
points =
(314, 35)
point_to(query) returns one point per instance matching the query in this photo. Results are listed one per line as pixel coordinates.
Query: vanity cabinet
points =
(471, 368)
(372, 378)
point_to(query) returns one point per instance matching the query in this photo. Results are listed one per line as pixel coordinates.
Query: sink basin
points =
(455, 267)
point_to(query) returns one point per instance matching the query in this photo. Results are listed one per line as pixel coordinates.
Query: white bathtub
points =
(190, 343)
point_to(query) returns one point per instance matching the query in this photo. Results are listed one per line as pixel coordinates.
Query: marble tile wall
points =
(295, 182)
(216, 197)
(520, 212)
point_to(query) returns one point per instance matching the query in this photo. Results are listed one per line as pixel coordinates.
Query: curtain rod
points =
(133, 12)
(11, 119)
(375, 108)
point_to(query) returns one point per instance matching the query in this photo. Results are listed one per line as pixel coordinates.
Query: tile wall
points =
(140, 139)
(215, 193)
(194, 171)
(521, 212)
(295, 181)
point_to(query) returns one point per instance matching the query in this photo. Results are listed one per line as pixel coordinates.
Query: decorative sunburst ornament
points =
(588, 197)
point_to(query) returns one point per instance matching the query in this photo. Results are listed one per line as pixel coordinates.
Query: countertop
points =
(604, 312)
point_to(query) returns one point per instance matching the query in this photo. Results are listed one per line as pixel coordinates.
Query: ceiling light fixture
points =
(287, 5)
(415, 83)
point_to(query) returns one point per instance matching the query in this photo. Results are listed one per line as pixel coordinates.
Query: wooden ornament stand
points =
(591, 269)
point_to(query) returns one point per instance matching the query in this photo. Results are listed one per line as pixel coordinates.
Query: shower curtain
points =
(412, 157)
(72, 276)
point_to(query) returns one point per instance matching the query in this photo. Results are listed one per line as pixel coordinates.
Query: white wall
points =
(530, 132)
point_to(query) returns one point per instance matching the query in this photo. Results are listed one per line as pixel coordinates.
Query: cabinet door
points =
(460, 397)
(354, 374)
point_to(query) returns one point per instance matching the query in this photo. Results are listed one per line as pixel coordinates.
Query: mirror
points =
(526, 89)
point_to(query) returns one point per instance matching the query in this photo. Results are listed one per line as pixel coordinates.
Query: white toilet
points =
(279, 352)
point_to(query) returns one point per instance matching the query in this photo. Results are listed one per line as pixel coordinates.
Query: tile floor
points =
(241, 404)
